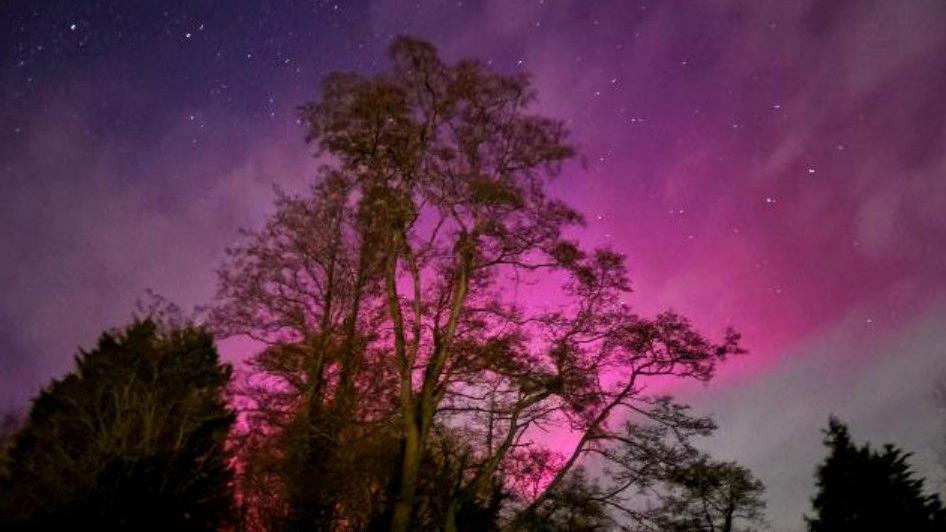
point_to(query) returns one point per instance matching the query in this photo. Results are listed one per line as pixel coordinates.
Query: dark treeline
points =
(400, 383)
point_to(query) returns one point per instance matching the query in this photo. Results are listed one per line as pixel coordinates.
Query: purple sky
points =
(777, 166)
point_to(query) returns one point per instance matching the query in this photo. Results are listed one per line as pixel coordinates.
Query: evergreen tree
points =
(860, 488)
(133, 439)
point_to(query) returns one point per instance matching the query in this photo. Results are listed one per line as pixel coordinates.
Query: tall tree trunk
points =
(410, 467)
(730, 510)
(450, 520)
(418, 410)
(410, 462)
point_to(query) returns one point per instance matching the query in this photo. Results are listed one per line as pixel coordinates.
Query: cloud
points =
(879, 380)
(91, 229)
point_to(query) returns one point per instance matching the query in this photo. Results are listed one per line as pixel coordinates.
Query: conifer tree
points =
(860, 488)
(133, 439)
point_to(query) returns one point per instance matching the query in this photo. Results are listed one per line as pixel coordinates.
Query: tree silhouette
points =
(863, 489)
(386, 299)
(575, 505)
(709, 495)
(10, 424)
(132, 439)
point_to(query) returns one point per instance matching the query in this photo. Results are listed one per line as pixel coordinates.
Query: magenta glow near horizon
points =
(775, 166)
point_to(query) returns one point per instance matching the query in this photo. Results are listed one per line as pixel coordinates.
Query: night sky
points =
(777, 166)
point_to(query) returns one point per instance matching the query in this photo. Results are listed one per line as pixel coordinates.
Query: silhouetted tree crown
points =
(705, 494)
(133, 439)
(402, 383)
(860, 488)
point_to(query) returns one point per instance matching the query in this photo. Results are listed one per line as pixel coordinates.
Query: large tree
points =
(388, 300)
(860, 488)
(133, 439)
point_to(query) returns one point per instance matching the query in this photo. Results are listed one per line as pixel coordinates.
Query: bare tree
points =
(306, 288)
(712, 496)
(390, 294)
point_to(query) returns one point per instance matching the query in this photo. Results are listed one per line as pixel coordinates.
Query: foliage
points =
(386, 302)
(133, 438)
(575, 505)
(710, 495)
(860, 488)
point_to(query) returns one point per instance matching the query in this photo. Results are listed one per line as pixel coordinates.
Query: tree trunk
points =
(450, 521)
(730, 510)
(410, 467)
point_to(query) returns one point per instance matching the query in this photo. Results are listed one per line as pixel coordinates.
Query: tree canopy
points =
(709, 495)
(388, 303)
(134, 438)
